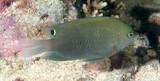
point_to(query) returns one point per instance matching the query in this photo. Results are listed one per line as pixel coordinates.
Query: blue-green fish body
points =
(88, 38)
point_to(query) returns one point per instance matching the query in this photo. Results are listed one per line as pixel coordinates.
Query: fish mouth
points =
(141, 41)
(136, 37)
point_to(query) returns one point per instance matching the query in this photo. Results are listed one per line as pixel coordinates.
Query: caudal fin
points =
(32, 48)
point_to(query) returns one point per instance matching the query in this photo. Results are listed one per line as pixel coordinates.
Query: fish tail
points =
(31, 48)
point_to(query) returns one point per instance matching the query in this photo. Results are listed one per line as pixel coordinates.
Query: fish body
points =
(88, 39)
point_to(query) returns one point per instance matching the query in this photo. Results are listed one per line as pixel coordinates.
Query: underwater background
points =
(26, 19)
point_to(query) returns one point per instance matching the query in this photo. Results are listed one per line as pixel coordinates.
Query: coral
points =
(154, 18)
(71, 11)
(4, 4)
(71, 14)
(24, 19)
(6, 21)
(97, 5)
(19, 79)
(141, 41)
(93, 8)
(25, 3)
(20, 23)
(150, 69)
(69, 2)
(9, 36)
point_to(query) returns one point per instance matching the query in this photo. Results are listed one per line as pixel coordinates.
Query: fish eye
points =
(130, 34)
(53, 32)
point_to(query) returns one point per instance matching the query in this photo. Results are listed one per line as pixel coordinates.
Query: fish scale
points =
(88, 38)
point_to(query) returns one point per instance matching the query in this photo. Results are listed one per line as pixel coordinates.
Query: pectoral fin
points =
(52, 55)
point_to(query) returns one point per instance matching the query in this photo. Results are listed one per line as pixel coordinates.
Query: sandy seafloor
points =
(22, 19)
(44, 70)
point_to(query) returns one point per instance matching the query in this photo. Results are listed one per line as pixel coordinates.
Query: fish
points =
(88, 39)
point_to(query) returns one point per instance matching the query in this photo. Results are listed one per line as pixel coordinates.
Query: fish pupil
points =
(130, 34)
(53, 32)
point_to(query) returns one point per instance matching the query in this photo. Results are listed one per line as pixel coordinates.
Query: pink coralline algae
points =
(24, 4)
(4, 4)
(10, 36)
(21, 20)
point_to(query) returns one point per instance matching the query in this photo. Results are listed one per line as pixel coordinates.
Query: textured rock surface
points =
(23, 19)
